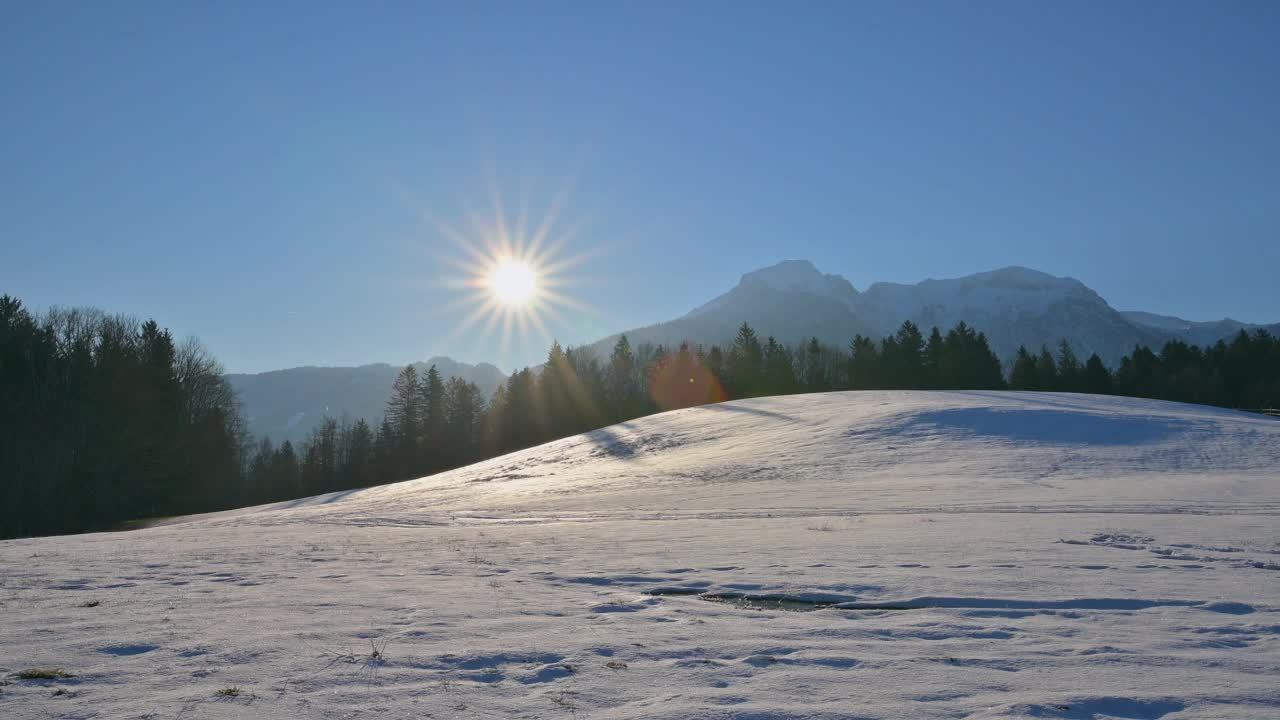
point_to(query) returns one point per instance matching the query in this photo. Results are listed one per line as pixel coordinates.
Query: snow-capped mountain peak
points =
(1014, 306)
(789, 277)
(799, 276)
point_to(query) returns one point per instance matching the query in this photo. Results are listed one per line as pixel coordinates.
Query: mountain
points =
(287, 404)
(895, 554)
(791, 301)
(1196, 333)
(1014, 306)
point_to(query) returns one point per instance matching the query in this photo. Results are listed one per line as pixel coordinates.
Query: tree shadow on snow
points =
(726, 407)
(608, 440)
(318, 499)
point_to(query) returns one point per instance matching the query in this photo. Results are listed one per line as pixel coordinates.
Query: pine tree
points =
(260, 485)
(1069, 370)
(909, 357)
(431, 406)
(744, 364)
(716, 366)
(587, 391)
(863, 363)
(1046, 371)
(987, 373)
(404, 413)
(520, 427)
(1096, 378)
(933, 352)
(1024, 375)
(554, 394)
(495, 418)
(385, 452)
(622, 382)
(284, 472)
(815, 371)
(889, 369)
(358, 461)
(465, 412)
(779, 373)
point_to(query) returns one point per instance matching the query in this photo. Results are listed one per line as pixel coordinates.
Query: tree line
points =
(430, 426)
(1243, 373)
(108, 419)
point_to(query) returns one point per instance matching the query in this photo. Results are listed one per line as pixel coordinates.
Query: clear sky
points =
(258, 174)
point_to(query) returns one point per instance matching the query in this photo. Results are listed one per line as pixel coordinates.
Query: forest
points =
(107, 419)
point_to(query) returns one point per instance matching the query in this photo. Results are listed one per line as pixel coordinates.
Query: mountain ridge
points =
(791, 300)
(1013, 305)
(285, 404)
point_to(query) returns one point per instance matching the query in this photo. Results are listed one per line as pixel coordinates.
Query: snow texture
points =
(843, 555)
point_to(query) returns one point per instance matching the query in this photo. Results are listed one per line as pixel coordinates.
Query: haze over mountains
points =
(792, 301)
(286, 404)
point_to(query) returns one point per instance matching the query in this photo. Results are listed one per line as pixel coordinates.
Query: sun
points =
(514, 283)
(514, 274)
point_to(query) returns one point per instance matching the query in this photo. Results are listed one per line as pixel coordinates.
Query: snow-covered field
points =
(977, 555)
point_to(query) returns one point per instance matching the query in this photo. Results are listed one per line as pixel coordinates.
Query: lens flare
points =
(683, 380)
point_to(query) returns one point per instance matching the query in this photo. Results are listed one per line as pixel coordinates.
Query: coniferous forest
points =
(107, 419)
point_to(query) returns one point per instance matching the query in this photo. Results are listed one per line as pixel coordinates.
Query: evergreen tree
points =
(745, 364)
(933, 353)
(863, 363)
(1069, 370)
(260, 471)
(404, 413)
(1024, 375)
(1096, 378)
(815, 371)
(779, 374)
(386, 451)
(716, 365)
(284, 472)
(431, 404)
(622, 382)
(465, 417)
(908, 359)
(358, 461)
(1046, 370)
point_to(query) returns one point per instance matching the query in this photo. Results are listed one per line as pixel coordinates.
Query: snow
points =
(1014, 306)
(801, 276)
(1006, 293)
(844, 555)
(788, 276)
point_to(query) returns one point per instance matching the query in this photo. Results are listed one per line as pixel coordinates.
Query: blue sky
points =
(256, 173)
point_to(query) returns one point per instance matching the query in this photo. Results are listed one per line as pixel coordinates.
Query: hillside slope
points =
(871, 555)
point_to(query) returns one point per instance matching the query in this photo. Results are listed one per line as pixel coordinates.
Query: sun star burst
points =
(512, 277)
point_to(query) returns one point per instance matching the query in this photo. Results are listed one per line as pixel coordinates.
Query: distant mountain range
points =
(792, 301)
(1196, 333)
(287, 404)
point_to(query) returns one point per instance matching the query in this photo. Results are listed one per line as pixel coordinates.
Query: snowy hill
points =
(868, 555)
(287, 404)
(1014, 306)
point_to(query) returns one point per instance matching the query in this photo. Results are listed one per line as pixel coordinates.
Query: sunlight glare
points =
(514, 283)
